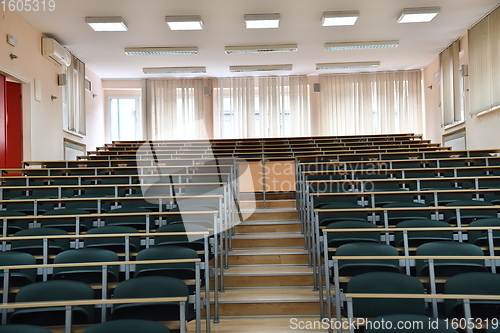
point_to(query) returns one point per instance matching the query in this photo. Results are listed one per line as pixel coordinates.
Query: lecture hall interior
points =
(235, 166)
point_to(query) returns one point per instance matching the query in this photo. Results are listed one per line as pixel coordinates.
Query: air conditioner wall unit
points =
(53, 50)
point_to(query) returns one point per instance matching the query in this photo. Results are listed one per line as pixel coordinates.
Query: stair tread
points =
(268, 235)
(267, 251)
(269, 270)
(264, 222)
(270, 210)
(264, 295)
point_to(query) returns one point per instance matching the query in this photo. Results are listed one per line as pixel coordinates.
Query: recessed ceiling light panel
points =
(262, 21)
(260, 68)
(330, 19)
(261, 48)
(174, 70)
(344, 65)
(383, 44)
(185, 22)
(107, 23)
(418, 15)
(160, 50)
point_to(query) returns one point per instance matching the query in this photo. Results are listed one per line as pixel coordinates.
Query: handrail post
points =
(432, 277)
(182, 317)
(197, 297)
(68, 318)
(104, 292)
(5, 296)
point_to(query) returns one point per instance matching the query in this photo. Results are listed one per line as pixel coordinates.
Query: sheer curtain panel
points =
(261, 107)
(175, 109)
(371, 103)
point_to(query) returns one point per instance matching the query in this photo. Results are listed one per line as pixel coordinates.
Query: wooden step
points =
(274, 214)
(268, 256)
(269, 302)
(268, 276)
(268, 239)
(268, 203)
(268, 226)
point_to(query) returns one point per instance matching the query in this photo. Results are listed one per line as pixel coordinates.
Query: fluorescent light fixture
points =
(343, 65)
(185, 22)
(174, 70)
(381, 44)
(417, 15)
(108, 23)
(261, 48)
(160, 50)
(260, 68)
(262, 21)
(331, 19)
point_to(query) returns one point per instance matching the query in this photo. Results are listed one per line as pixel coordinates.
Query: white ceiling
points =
(420, 43)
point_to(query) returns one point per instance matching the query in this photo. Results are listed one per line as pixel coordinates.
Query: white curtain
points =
(371, 103)
(484, 64)
(261, 107)
(74, 98)
(175, 109)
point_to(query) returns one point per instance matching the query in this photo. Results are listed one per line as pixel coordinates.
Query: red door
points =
(14, 125)
(3, 129)
(11, 134)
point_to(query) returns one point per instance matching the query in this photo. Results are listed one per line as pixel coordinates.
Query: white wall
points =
(42, 120)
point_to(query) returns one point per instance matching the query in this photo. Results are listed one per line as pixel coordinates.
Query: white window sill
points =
(74, 133)
(454, 125)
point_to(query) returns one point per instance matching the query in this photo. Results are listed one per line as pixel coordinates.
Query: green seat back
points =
(116, 244)
(18, 277)
(149, 287)
(35, 247)
(336, 239)
(477, 283)
(449, 267)
(87, 274)
(53, 291)
(182, 271)
(417, 238)
(480, 237)
(351, 267)
(386, 283)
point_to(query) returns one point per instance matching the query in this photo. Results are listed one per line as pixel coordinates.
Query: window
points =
(175, 109)
(262, 107)
(125, 118)
(74, 98)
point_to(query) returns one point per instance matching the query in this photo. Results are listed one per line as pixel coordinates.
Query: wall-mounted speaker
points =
(317, 88)
(207, 90)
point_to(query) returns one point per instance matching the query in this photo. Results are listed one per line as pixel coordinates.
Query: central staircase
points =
(268, 281)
